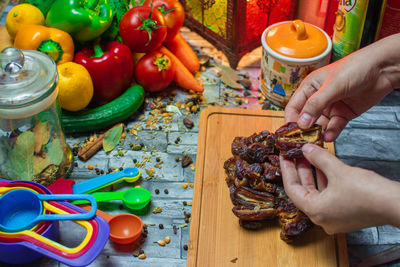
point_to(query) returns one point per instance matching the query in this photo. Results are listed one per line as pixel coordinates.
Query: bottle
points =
(357, 25)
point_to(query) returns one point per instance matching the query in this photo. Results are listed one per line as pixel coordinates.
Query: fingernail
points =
(304, 120)
(308, 148)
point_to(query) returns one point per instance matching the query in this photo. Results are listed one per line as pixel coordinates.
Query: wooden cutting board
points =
(216, 239)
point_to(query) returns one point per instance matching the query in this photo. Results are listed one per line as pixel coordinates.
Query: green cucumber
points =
(104, 116)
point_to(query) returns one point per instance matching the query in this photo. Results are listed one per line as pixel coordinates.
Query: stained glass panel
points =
(215, 14)
(262, 13)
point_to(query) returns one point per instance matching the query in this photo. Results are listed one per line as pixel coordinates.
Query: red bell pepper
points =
(110, 67)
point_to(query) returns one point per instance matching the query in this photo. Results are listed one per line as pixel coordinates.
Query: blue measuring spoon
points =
(129, 174)
(22, 209)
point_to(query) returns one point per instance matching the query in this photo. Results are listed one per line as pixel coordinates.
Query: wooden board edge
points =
(341, 250)
(198, 185)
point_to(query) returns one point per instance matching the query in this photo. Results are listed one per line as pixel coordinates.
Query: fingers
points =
(292, 183)
(339, 115)
(321, 158)
(305, 174)
(322, 181)
(315, 105)
(334, 128)
(296, 103)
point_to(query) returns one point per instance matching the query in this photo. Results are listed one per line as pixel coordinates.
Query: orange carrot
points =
(183, 77)
(182, 50)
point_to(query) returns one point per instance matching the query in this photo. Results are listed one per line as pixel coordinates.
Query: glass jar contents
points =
(32, 144)
(34, 148)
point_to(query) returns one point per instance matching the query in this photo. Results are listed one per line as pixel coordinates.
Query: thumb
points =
(321, 158)
(320, 100)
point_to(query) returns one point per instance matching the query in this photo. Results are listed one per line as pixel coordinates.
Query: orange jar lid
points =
(296, 39)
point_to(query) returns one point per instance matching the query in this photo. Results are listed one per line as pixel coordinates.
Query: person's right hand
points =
(343, 198)
(339, 92)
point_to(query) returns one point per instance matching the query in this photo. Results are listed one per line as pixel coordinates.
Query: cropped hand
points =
(339, 92)
(342, 198)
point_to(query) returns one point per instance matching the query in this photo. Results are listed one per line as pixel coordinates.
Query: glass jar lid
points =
(26, 77)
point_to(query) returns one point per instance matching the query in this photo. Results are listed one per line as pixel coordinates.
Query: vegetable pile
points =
(119, 43)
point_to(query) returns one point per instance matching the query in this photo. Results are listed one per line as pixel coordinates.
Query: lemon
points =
(75, 86)
(21, 15)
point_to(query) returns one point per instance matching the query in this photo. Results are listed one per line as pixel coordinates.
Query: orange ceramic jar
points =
(291, 50)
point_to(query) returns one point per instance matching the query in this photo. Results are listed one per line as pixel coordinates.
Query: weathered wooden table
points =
(370, 141)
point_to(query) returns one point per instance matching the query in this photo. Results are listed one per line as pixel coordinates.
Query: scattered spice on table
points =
(188, 123)
(157, 210)
(166, 191)
(160, 242)
(246, 83)
(186, 161)
(185, 247)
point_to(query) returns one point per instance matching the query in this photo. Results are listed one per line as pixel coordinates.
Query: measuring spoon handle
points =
(106, 196)
(78, 216)
(96, 183)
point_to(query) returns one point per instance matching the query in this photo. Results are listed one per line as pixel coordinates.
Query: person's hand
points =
(342, 198)
(339, 92)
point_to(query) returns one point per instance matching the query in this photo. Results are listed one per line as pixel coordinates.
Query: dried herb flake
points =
(112, 138)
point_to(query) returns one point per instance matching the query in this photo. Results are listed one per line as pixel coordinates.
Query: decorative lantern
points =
(235, 26)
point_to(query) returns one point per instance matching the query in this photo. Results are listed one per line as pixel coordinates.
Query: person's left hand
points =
(342, 198)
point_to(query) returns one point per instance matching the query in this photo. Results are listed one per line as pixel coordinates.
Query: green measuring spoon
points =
(134, 198)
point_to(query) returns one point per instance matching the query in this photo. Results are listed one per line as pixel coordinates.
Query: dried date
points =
(271, 173)
(251, 225)
(255, 182)
(290, 139)
(230, 169)
(258, 152)
(274, 159)
(245, 196)
(254, 213)
(239, 147)
(293, 222)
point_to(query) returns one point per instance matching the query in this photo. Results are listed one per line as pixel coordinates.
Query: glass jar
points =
(32, 144)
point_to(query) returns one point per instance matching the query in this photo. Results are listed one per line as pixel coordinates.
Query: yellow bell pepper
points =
(56, 43)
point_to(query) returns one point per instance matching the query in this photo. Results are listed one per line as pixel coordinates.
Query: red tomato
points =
(143, 29)
(154, 71)
(174, 15)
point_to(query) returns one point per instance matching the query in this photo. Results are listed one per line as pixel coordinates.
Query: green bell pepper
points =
(43, 5)
(85, 20)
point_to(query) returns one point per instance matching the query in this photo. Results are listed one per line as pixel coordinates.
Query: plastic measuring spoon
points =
(125, 228)
(21, 209)
(36, 237)
(134, 198)
(130, 175)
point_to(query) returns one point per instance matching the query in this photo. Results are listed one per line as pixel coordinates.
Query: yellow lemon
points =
(21, 15)
(75, 86)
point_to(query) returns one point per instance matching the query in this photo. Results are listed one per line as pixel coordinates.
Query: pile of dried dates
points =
(255, 182)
